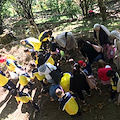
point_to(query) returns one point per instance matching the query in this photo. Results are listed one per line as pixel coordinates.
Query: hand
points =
(116, 57)
(86, 60)
(95, 40)
(71, 60)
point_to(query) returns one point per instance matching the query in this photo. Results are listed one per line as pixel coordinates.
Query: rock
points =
(6, 38)
(1, 46)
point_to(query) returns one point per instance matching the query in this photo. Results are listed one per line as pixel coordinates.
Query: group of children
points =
(47, 56)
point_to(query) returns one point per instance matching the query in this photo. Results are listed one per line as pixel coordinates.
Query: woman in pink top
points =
(103, 68)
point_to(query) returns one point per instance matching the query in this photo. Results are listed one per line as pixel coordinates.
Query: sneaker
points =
(111, 100)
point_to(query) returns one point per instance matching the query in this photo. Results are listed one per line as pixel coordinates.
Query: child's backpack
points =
(56, 75)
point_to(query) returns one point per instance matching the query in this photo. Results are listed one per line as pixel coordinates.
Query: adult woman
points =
(66, 40)
(101, 34)
(116, 35)
(88, 51)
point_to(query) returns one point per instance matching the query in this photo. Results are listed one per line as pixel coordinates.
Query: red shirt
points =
(102, 73)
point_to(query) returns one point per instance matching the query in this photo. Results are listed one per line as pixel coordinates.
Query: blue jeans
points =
(100, 56)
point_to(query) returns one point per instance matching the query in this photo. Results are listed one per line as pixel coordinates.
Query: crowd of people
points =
(48, 53)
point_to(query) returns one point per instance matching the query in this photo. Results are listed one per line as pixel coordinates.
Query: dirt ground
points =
(98, 107)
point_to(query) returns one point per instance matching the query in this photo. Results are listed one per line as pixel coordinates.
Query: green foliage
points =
(60, 7)
(18, 7)
(4, 4)
(71, 8)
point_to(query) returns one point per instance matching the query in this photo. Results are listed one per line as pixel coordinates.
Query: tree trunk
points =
(1, 27)
(82, 7)
(86, 7)
(102, 9)
(33, 27)
(30, 18)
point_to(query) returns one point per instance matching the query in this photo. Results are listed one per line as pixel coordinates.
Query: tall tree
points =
(24, 8)
(84, 4)
(102, 7)
(1, 28)
(2, 2)
(82, 7)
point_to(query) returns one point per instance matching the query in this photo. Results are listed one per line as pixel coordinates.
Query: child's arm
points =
(32, 78)
(31, 101)
(18, 102)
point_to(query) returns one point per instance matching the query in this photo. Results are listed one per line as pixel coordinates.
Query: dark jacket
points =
(103, 37)
(78, 82)
(88, 51)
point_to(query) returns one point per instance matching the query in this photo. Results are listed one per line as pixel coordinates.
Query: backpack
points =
(56, 75)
